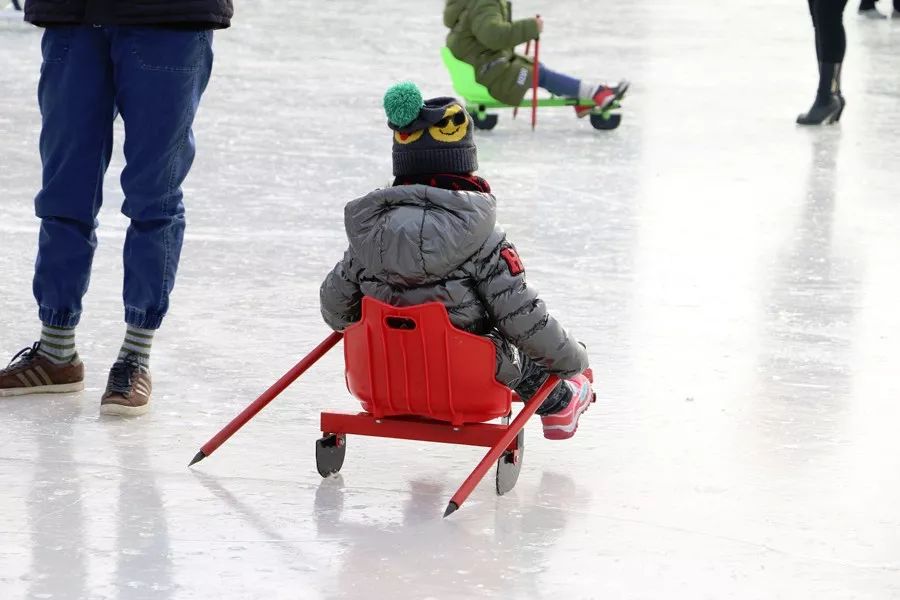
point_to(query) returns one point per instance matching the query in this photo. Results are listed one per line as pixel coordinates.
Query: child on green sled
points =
(483, 35)
(433, 237)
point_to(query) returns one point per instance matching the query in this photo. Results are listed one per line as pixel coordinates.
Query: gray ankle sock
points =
(137, 343)
(57, 344)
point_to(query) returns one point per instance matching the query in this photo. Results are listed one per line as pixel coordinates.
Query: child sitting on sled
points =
(483, 35)
(432, 237)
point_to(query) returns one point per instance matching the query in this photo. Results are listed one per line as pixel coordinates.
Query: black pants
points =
(870, 4)
(828, 20)
(525, 377)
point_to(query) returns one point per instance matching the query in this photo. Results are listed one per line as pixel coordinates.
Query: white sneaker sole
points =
(62, 388)
(568, 429)
(120, 410)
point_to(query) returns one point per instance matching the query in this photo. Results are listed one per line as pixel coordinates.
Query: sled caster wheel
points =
(486, 122)
(330, 451)
(605, 122)
(509, 465)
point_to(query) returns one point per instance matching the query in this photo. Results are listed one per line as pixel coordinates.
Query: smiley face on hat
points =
(408, 138)
(452, 127)
(448, 147)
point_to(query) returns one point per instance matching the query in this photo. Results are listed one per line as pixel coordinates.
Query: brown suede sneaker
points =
(127, 389)
(30, 373)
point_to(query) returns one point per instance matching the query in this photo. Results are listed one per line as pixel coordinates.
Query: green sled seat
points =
(463, 77)
(478, 99)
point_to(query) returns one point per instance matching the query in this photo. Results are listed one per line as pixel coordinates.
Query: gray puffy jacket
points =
(412, 244)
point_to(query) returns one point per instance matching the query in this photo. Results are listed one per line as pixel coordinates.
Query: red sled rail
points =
(506, 442)
(418, 378)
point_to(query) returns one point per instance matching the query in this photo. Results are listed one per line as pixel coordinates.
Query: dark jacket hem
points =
(201, 21)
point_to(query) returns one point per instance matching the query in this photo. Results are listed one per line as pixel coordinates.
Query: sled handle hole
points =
(399, 323)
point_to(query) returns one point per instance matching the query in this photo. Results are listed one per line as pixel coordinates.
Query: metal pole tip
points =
(451, 508)
(197, 458)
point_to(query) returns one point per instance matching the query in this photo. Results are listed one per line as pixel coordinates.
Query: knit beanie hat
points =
(431, 136)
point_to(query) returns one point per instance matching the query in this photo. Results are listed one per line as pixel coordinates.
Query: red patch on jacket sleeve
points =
(512, 261)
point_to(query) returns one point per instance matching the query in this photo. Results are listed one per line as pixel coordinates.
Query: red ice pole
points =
(500, 447)
(527, 52)
(267, 396)
(534, 82)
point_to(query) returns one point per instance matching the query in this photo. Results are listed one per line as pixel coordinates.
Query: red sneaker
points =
(603, 97)
(563, 424)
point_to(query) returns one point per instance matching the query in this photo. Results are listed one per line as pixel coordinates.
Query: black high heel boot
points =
(829, 103)
(836, 88)
(827, 110)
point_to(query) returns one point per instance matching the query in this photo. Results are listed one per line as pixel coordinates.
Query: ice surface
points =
(735, 278)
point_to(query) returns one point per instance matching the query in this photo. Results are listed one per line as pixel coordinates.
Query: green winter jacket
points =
(482, 35)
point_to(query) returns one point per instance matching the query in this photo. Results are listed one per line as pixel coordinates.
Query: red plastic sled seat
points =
(420, 378)
(412, 361)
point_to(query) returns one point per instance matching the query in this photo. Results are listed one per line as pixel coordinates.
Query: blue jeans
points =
(154, 78)
(558, 84)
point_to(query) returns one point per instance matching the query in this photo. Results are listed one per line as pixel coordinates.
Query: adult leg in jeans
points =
(76, 98)
(75, 95)
(160, 76)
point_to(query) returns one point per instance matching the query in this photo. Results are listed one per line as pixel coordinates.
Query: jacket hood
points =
(416, 234)
(452, 10)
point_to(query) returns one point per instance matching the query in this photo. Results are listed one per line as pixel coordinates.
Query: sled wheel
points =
(484, 121)
(330, 451)
(605, 121)
(509, 465)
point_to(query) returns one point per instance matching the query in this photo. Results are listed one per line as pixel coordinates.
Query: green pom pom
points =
(402, 103)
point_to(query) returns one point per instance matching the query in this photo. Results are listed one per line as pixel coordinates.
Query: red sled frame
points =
(420, 378)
